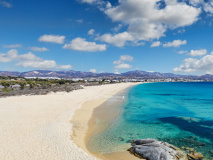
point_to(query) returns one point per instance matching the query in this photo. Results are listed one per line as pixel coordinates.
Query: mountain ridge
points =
(78, 74)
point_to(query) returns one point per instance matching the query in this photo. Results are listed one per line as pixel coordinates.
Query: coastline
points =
(40, 127)
(99, 110)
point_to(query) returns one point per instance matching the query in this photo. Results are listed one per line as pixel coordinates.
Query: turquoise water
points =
(179, 113)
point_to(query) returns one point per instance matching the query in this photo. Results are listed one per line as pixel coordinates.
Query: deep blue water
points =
(179, 113)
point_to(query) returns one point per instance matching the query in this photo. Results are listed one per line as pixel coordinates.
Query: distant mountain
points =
(8, 73)
(79, 74)
(145, 75)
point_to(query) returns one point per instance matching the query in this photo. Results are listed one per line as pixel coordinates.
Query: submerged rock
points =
(151, 149)
(195, 156)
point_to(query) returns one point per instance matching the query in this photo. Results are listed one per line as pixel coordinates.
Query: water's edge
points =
(171, 112)
(107, 113)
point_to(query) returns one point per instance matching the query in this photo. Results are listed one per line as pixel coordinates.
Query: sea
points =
(180, 113)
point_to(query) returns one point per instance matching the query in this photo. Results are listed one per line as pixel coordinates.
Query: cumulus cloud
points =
(121, 63)
(150, 19)
(124, 58)
(175, 43)
(196, 2)
(117, 28)
(93, 70)
(30, 60)
(9, 56)
(207, 5)
(198, 52)
(38, 49)
(64, 67)
(52, 39)
(205, 64)
(147, 20)
(91, 32)
(80, 44)
(155, 44)
(118, 40)
(13, 46)
(43, 64)
(6, 4)
(123, 66)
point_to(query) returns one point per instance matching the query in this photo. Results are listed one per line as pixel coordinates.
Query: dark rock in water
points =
(151, 149)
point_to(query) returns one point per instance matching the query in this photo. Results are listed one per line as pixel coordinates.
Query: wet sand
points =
(105, 113)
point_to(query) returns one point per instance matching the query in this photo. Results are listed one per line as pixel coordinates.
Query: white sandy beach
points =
(39, 127)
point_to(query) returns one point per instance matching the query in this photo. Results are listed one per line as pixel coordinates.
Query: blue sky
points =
(107, 36)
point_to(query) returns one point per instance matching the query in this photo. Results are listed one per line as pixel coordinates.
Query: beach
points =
(41, 127)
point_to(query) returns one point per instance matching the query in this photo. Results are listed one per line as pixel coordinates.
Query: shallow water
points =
(179, 113)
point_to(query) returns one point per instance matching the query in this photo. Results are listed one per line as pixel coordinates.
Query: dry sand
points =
(40, 127)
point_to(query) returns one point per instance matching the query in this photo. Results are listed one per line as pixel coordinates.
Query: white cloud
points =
(147, 21)
(175, 43)
(64, 67)
(118, 40)
(38, 49)
(91, 32)
(182, 52)
(117, 28)
(28, 57)
(123, 66)
(196, 2)
(206, 5)
(80, 44)
(93, 70)
(181, 31)
(205, 64)
(52, 39)
(121, 63)
(43, 64)
(198, 52)
(155, 44)
(9, 56)
(6, 4)
(101, 4)
(30, 60)
(13, 46)
(124, 58)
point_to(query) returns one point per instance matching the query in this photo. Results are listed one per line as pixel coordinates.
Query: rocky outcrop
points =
(151, 149)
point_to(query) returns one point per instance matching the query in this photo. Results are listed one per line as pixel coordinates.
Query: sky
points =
(113, 36)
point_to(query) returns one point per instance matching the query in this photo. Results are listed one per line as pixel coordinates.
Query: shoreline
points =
(94, 108)
(40, 126)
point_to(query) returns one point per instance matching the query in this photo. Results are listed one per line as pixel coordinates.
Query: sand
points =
(41, 127)
(106, 112)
